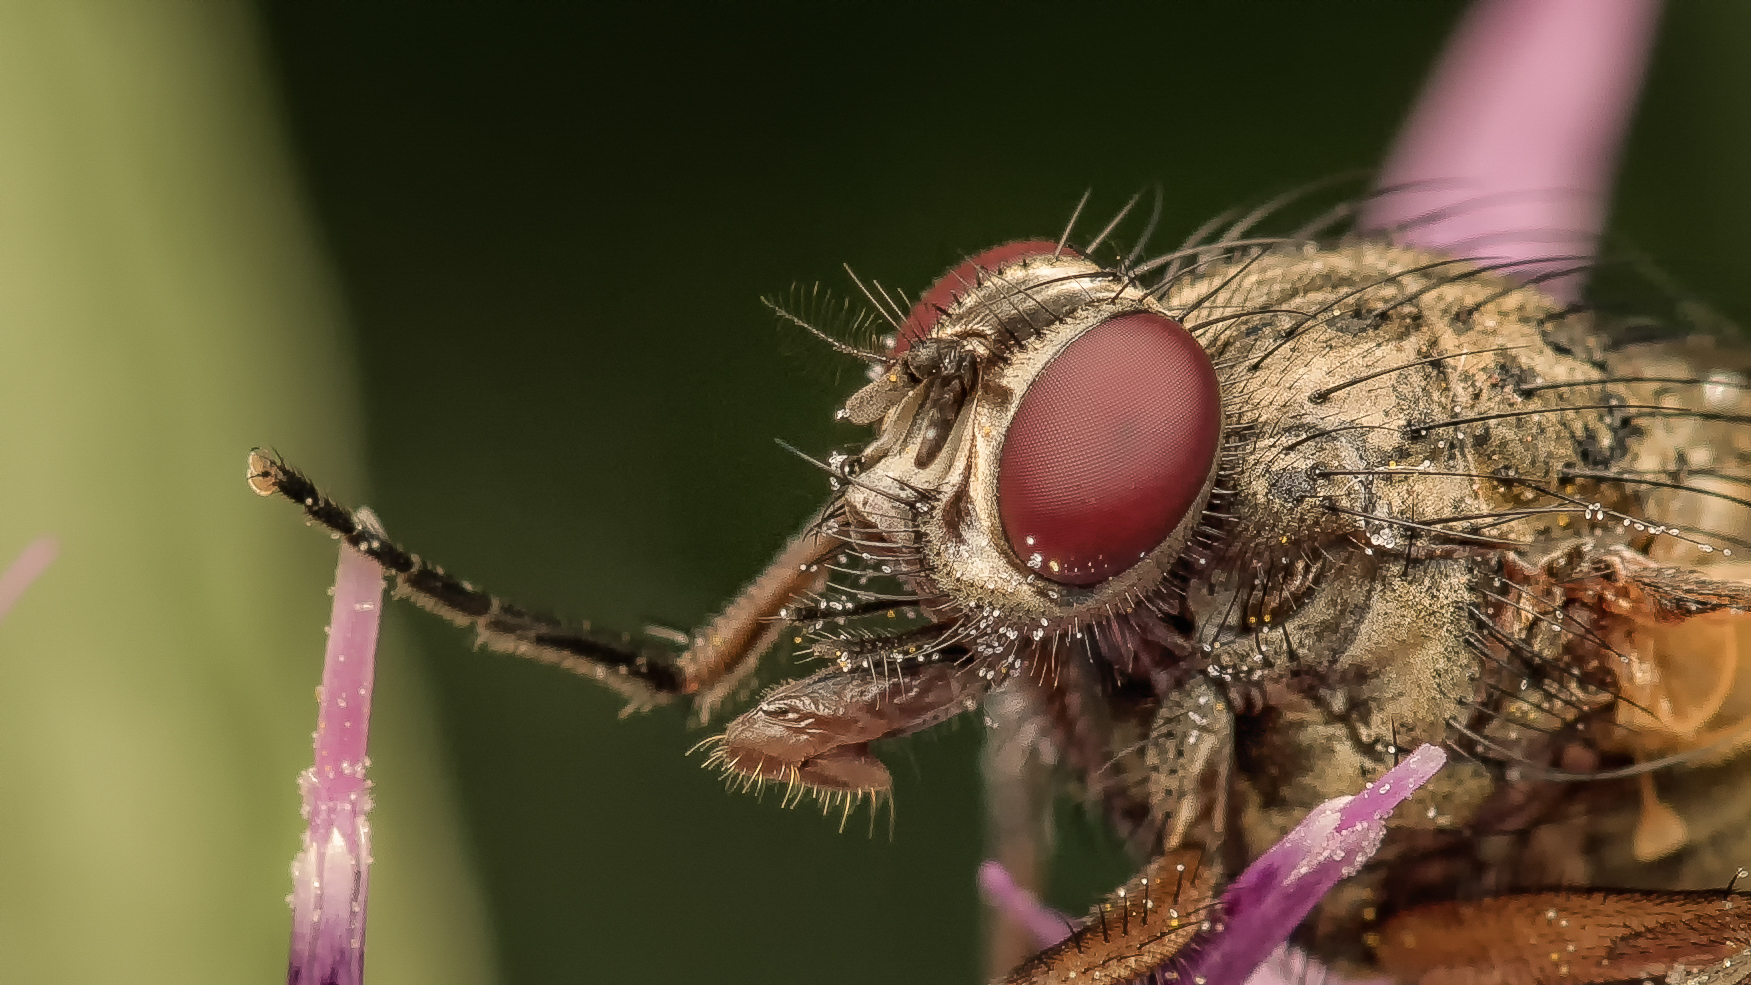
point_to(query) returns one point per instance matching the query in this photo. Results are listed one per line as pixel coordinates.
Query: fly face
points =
(1054, 468)
(1047, 441)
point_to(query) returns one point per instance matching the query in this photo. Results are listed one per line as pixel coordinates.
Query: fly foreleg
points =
(813, 735)
(646, 673)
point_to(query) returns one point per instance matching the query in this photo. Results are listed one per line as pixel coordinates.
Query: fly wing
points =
(1687, 682)
(1585, 937)
(1685, 640)
(1682, 640)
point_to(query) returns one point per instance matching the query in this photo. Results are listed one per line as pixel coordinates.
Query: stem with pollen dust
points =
(331, 874)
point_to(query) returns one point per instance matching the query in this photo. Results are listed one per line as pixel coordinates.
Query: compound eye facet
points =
(1109, 449)
(931, 304)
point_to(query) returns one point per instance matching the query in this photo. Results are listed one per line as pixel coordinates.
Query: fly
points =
(1211, 534)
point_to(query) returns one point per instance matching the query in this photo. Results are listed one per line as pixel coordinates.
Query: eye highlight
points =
(1109, 449)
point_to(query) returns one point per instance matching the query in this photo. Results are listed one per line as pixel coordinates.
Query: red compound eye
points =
(1110, 447)
(928, 311)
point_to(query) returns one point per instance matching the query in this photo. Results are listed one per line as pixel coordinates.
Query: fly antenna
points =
(867, 356)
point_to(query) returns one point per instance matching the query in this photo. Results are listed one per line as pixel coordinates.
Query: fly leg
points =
(646, 673)
(813, 735)
(1136, 932)
(1190, 747)
(1056, 720)
(1140, 929)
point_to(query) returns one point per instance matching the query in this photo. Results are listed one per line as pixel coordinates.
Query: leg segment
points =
(1136, 931)
(813, 735)
(646, 673)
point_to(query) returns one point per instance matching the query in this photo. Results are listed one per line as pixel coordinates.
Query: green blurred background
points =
(495, 270)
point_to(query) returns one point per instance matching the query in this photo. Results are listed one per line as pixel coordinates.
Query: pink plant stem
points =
(1287, 966)
(1513, 144)
(331, 874)
(24, 569)
(1003, 893)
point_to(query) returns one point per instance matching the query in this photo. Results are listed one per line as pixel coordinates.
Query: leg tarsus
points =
(646, 675)
(720, 656)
